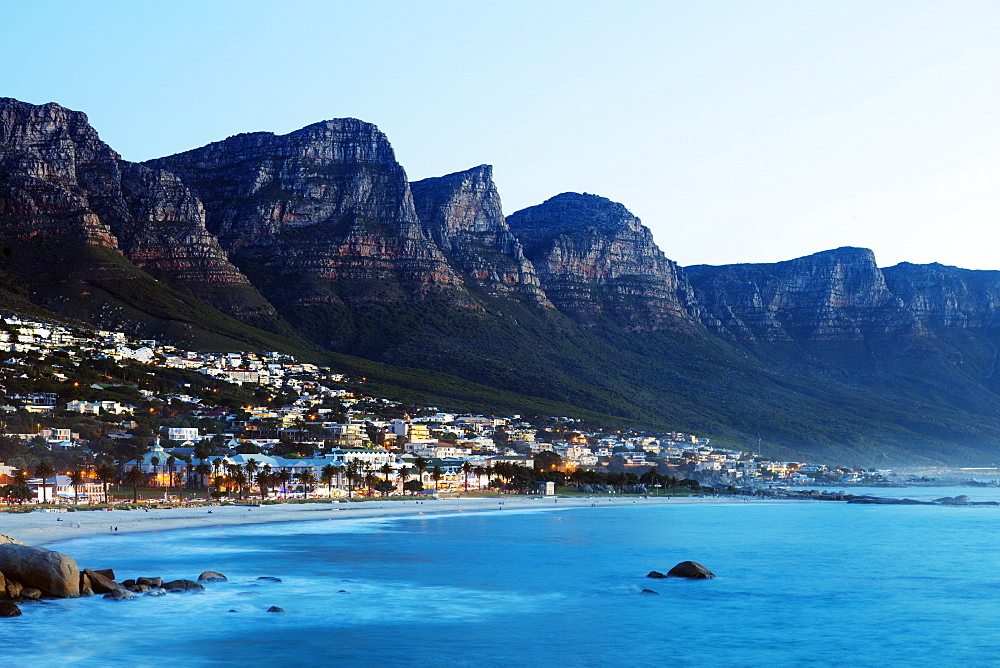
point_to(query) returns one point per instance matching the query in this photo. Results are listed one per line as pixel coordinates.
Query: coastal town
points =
(89, 416)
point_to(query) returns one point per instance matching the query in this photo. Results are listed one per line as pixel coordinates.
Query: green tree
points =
(44, 470)
(285, 476)
(135, 477)
(546, 460)
(436, 474)
(327, 474)
(105, 472)
(308, 480)
(353, 474)
(403, 474)
(171, 461)
(383, 487)
(466, 470)
(421, 465)
(76, 478)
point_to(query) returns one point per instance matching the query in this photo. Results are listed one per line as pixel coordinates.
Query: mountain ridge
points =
(317, 239)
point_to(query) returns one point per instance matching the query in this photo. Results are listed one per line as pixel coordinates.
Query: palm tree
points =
(44, 470)
(76, 477)
(466, 470)
(155, 462)
(436, 475)
(135, 477)
(403, 474)
(171, 460)
(421, 464)
(480, 471)
(264, 482)
(217, 465)
(370, 481)
(672, 482)
(20, 490)
(285, 476)
(308, 480)
(105, 473)
(252, 466)
(353, 473)
(327, 474)
(239, 479)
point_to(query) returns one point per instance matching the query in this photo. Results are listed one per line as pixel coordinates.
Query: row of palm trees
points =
(241, 480)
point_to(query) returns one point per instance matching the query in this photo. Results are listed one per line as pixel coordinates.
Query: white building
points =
(182, 434)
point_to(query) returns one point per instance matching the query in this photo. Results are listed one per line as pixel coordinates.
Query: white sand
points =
(40, 528)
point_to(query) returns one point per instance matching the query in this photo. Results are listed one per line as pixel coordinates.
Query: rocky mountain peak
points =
(595, 259)
(326, 207)
(462, 214)
(63, 182)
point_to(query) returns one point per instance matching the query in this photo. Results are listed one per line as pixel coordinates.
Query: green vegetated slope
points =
(873, 404)
(860, 403)
(97, 286)
(919, 400)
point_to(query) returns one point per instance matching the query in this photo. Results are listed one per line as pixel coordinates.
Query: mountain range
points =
(315, 242)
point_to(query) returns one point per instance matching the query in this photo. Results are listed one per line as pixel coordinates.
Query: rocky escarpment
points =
(41, 150)
(594, 258)
(461, 212)
(321, 215)
(949, 296)
(836, 295)
(62, 183)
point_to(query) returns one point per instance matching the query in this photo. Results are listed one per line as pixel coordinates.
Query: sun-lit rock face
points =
(596, 260)
(61, 182)
(950, 296)
(326, 208)
(835, 295)
(461, 212)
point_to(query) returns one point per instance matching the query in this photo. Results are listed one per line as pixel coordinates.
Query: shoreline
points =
(43, 528)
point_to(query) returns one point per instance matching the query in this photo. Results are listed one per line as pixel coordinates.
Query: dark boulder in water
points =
(183, 585)
(212, 576)
(655, 574)
(9, 609)
(650, 592)
(275, 608)
(269, 578)
(690, 569)
(150, 582)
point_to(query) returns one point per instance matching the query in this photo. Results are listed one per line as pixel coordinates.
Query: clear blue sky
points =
(738, 131)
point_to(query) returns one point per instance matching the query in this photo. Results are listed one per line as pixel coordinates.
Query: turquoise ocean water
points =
(825, 584)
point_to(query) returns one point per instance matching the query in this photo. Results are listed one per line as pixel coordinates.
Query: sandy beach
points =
(40, 527)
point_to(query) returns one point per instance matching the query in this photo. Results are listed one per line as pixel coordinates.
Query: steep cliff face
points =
(41, 150)
(953, 297)
(61, 182)
(595, 259)
(461, 213)
(321, 215)
(836, 295)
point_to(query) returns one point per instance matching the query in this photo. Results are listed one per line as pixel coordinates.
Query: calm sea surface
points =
(800, 583)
